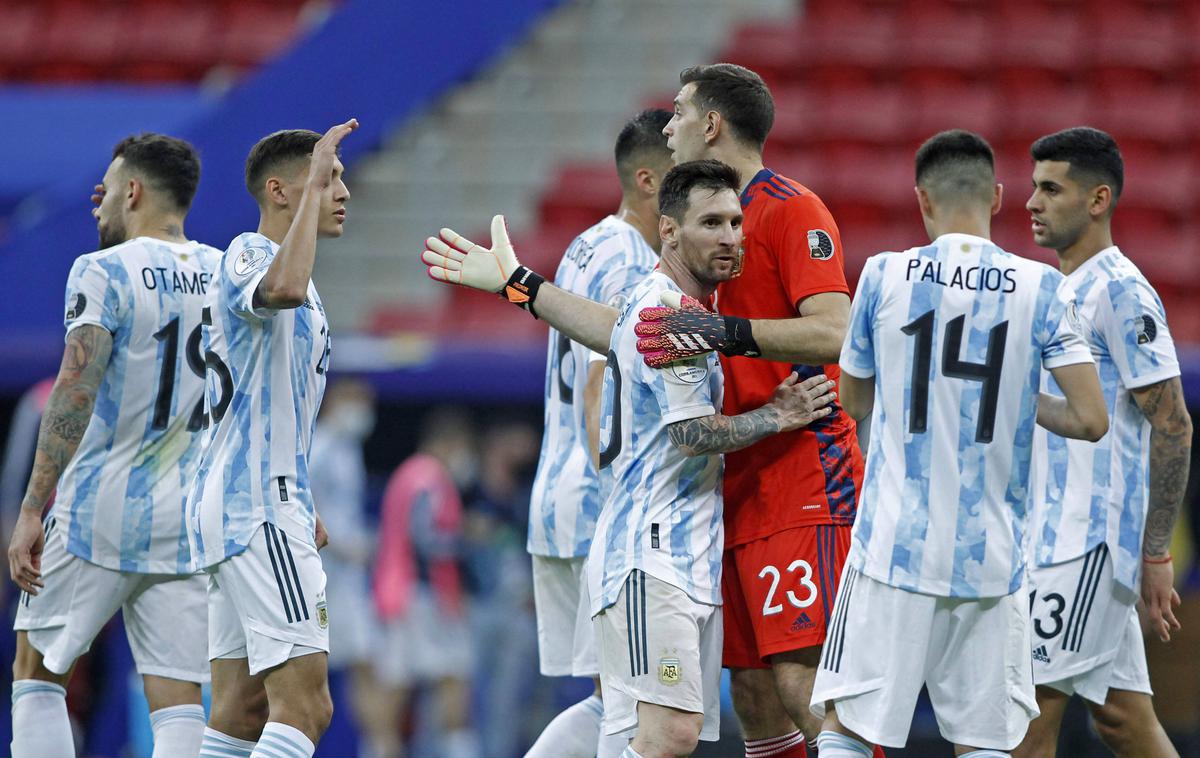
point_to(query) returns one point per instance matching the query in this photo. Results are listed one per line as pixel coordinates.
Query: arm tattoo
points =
(1170, 452)
(68, 410)
(724, 434)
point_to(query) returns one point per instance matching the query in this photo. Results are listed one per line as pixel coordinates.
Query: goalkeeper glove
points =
(453, 258)
(685, 328)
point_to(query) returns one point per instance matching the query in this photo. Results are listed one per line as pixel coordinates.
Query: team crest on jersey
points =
(1146, 331)
(820, 244)
(322, 614)
(668, 671)
(249, 260)
(78, 305)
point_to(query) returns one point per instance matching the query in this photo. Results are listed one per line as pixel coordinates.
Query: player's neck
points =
(677, 272)
(644, 218)
(166, 228)
(274, 226)
(746, 161)
(961, 223)
(1089, 244)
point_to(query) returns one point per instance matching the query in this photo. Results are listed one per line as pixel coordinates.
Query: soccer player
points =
(254, 528)
(602, 264)
(791, 498)
(120, 438)
(654, 567)
(946, 345)
(1104, 512)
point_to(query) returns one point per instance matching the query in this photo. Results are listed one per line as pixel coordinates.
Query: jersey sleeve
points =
(684, 390)
(243, 267)
(809, 248)
(95, 295)
(1063, 343)
(620, 274)
(858, 349)
(1137, 335)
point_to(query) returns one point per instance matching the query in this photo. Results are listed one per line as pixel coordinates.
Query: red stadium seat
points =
(839, 116)
(255, 32)
(581, 195)
(1135, 36)
(1160, 115)
(84, 40)
(174, 37)
(21, 38)
(1032, 41)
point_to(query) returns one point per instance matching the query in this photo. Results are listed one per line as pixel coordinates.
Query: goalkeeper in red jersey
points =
(789, 501)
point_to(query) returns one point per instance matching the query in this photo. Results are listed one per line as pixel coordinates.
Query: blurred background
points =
(475, 107)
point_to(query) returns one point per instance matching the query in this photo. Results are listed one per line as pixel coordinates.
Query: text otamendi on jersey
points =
(963, 277)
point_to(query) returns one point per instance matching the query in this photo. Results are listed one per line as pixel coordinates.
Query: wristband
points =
(1156, 561)
(522, 288)
(739, 338)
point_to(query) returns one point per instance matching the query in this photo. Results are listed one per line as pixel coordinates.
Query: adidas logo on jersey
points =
(802, 622)
(1041, 655)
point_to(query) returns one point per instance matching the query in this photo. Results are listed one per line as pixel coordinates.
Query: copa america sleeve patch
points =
(249, 260)
(692, 373)
(77, 307)
(1147, 330)
(820, 244)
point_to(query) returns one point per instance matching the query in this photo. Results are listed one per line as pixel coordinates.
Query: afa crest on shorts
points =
(668, 671)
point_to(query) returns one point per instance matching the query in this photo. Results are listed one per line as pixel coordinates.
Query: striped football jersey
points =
(266, 379)
(663, 512)
(121, 497)
(956, 335)
(603, 264)
(1088, 494)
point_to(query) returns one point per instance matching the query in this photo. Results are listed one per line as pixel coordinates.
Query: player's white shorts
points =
(884, 643)
(267, 603)
(165, 614)
(1086, 634)
(657, 645)
(425, 644)
(566, 636)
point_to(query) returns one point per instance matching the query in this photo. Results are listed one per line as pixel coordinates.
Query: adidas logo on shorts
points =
(802, 622)
(1040, 654)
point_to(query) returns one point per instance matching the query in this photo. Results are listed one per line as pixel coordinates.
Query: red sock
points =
(878, 753)
(787, 746)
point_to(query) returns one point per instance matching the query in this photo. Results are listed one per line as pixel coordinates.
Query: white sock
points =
(631, 753)
(218, 745)
(283, 741)
(574, 733)
(985, 754)
(178, 730)
(611, 745)
(461, 743)
(41, 726)
(834, 745)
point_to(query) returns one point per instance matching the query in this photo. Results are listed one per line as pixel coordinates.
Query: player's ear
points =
(713, 123)
(646, 181)
(668, 230)
(133, 192)
(923, 202)
(274, 192)
(997, 198)
(1101, 201)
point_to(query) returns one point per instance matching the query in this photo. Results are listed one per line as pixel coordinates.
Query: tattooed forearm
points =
(724, 434)
(1170, 452)
(68, 409)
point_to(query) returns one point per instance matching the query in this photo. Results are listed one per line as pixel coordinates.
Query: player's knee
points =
(749, 699)
(29, 664)
(242, 717)
(681, 733)
(313, 711)
(1121, 726)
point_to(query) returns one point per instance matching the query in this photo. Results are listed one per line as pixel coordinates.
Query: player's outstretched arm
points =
(794, 405)
(1081, 414)
(683, 328)
(1170, 452)
(285, 285)
(64, 421)
(454, 259)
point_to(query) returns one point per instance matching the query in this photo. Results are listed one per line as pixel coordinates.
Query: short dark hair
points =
(641, 140)
(679, 182)
(274, 150)
(956, 165)
(1092, 154)
(170, 165)
(738, 94)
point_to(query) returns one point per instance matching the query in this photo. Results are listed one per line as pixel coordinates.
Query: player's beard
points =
(112, 233)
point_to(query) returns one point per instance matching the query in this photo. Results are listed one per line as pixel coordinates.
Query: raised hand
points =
(320, 168)
(453, 258)
(802, 403)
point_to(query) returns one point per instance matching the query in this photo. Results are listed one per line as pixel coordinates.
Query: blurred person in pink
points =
(419, 593)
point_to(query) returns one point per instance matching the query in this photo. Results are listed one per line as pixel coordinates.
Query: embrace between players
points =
(179, 428)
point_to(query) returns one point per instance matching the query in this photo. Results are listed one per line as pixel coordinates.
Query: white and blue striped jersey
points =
(1085, 493)
(603, 264)
(266, 378)
(956, 335)
(662, 513)
(121, 497)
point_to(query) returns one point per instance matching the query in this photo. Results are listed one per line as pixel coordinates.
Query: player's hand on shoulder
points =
(455, 259)
(800, 403)
(320, 169)
(679, 329)
(25, 552)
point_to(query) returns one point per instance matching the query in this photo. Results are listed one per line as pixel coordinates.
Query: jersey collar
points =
(761, 181)
(1107, 253)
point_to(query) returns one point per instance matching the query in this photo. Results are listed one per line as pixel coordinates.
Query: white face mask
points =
(356, 420)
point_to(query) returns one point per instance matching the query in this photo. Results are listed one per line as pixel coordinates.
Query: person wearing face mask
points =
(339, 483)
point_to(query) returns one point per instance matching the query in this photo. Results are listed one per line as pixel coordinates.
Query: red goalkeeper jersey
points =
(812, 475)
